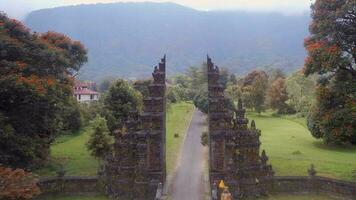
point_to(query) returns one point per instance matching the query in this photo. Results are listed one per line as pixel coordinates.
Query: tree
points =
(332, 118)
(224, 77)
(332, 54)
(254, 90)
(72, 116)
(143, 87)
(277, 96)
(100, 142)
(233, 91)
(36, 81)
(274, 74)
(301, 92)
(201, 100)
(331, 46)
(17, 184)
(105, 84)
(233, 80)
(119, 102)
(173, 94)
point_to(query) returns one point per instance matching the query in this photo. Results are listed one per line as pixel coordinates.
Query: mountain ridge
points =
(127, 39)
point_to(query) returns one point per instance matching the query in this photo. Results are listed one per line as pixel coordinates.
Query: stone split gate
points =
(137, 167)
(234, 147)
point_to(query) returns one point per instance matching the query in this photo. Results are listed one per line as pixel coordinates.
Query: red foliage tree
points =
(36, 89)
(277, 95)
(332, 54)
(17, 184)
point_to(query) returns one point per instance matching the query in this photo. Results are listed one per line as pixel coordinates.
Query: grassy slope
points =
(72, 152)
(292, 149)
(178, 121)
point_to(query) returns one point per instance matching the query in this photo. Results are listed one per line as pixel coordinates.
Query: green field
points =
(292, 149)
(72, 153)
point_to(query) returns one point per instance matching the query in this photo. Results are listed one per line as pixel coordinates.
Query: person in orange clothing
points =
(226, 195)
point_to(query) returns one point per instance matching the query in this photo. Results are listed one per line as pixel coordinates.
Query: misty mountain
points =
(127, 39)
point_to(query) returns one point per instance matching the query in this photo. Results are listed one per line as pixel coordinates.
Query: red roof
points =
(85, 91)
(80, 84)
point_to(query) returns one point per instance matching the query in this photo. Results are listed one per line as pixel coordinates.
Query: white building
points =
(83, 94)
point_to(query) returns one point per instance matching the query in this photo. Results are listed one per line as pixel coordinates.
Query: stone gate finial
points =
(253, 125)
(312, 171)
(264, 157)
(239, 104)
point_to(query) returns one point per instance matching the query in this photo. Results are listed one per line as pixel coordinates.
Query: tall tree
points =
(201, 100)
(17, 184)
(143, 87)
(100, 141)
(254, 90)
(332, 54)
(301, 92)
(274, 74)
(233, 80)
(277, 95)
(36, 81)
(121, 99)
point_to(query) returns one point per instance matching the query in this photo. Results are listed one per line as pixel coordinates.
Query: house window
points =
(79, 97)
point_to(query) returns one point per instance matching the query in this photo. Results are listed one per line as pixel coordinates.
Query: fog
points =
(19, 8)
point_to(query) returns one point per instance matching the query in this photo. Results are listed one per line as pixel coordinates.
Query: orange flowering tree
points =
(17, 184)
(36, 79)
(332, 55)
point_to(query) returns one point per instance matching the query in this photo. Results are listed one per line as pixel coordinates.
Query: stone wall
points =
(312, 184)
(77, 185)
(73, 185)
(281, 184)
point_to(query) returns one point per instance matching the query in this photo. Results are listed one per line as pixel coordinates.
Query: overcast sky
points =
(19, 8)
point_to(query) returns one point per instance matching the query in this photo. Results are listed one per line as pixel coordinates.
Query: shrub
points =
(17, 184)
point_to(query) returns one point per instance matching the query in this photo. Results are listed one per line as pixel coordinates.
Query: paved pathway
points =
(188, 182)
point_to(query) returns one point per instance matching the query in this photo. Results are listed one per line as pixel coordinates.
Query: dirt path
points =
(188, 182)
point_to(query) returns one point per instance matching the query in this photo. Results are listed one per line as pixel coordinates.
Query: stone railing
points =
(307, 184)
(71, 185)
(310, 184)
(78, 185)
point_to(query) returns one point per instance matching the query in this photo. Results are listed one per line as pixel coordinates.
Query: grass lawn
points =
(70, 150)
(178, 120)
(292, 149)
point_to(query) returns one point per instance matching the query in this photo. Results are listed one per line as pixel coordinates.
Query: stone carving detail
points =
(234, 147)
(137, 164)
